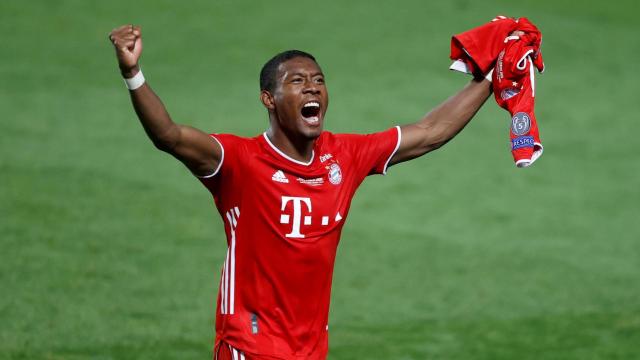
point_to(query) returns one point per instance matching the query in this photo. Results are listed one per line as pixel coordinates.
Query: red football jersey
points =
(283, 220)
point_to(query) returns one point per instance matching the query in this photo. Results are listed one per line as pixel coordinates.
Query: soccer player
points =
(284, 195)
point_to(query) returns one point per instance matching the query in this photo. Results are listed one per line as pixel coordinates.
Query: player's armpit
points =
(198, 151)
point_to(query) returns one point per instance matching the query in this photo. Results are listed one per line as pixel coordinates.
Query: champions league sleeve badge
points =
(520, 123)
(335, 174)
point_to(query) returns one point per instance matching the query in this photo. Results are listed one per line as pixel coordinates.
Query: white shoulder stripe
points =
(386, 165)
(221, 160)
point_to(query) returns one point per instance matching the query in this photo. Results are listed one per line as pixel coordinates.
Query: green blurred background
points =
(110, 249)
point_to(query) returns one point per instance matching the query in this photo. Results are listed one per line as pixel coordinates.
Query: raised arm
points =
(194, 148)
(442, 123)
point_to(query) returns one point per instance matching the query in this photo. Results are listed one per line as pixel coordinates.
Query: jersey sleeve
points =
(230, 162)
(371, 153)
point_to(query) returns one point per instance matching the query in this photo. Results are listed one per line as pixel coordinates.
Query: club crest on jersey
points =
(335, 174)
(520, 123)
(508, 93)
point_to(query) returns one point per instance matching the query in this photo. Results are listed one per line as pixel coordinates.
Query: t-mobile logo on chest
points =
(301, 215)
(297, 214)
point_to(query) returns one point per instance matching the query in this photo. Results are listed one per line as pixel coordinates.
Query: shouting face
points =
(299, 100)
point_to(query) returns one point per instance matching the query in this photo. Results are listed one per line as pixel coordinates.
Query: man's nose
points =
(311, 88)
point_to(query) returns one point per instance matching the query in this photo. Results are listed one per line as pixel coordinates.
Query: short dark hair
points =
(269, 71)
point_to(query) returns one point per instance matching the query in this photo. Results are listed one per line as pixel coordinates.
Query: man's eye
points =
(320, 80)
(296, 80)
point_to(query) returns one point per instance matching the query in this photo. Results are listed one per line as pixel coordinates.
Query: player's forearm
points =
(442, 123)
(449, 118)
(155, 119)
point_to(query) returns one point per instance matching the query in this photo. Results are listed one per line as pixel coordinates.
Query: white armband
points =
(135, 82)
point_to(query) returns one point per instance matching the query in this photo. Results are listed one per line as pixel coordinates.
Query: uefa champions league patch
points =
(520, 123)
(335, 174)
(522, 142)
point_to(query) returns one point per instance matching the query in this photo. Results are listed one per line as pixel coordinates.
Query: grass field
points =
(110, 249)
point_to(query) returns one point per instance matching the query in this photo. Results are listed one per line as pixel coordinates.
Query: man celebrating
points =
(284, 195)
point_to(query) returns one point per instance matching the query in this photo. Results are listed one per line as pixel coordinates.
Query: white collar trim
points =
(285, 155)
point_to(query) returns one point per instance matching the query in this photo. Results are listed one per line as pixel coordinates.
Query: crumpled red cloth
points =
(479, 50)
(479, 47)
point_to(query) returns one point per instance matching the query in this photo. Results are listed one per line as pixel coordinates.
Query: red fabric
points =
(283, 221)
(514, 90)
(533, 39)
(491, 45)
(224, 351)
(480, 46)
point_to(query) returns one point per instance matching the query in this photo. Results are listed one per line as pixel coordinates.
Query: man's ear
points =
(267, 99)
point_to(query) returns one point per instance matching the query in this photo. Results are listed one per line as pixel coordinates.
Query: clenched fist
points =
(127, 41)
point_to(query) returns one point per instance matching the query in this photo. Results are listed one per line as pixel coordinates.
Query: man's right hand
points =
(127, 41)
(194, 148)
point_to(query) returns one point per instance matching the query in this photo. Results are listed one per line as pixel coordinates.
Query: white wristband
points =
(135, 82)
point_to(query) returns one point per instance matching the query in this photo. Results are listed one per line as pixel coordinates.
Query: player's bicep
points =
(415, 142)
(199, 151)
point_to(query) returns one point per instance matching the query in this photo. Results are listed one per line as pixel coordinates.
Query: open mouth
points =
(311, 112)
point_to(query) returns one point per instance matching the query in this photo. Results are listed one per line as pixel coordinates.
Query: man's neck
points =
(297, 149)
